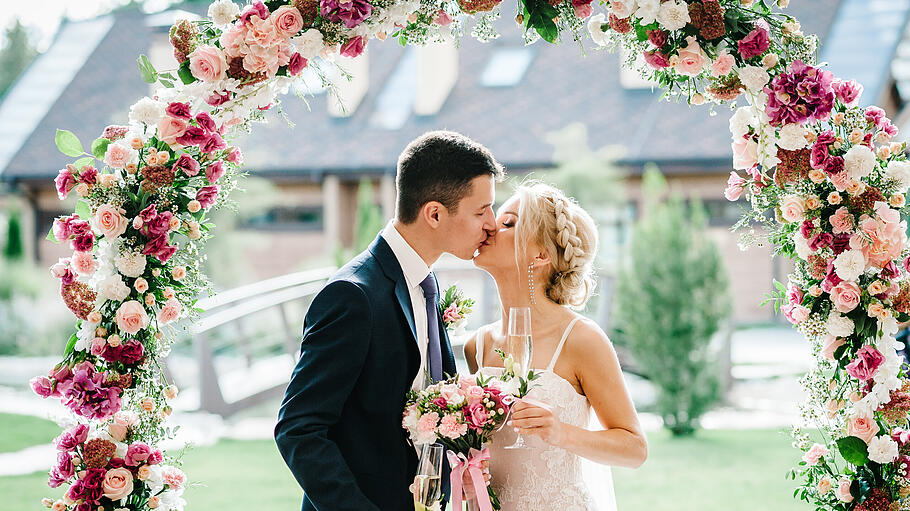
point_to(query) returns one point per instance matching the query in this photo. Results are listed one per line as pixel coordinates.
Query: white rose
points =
(740, 122)
(859, 161)
(596, 29)
(882, 450)
(113, 288)
(223, 12)
(623, 8)
(309, 43)
(850, 264)
(839, 325)
(754, 77)
(792, 137)
(647, 11)
(899, 170)
(673, 15)
(131, 265)
(147, 111)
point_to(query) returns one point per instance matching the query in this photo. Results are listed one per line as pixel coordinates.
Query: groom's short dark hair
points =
(439, 166)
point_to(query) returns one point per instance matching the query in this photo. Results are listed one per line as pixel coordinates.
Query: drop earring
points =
(531, 283)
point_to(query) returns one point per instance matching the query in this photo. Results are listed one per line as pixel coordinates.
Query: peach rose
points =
(169, 312)
(824, 485)
(855, 188)
(131, 317)
(153, 502)
(883, 152)
(94, 317)
(838, 118)
(131, 168)
(118, 483)
(137, 223)
(815, 291)
(834, 198)
(174, 223)
(143, 473)
(169, 293)
(118, 156)
(59, 506)
(126, 418)
(117, 432)
(875, 288)
(150, 299)
(877, 310)
(831, 345)
(109, 221)
(287, 20)
(817, 176)
(770, 60)
(178, 272)
(82, 189)
(141, 285)
(897, 201)
(846, 296)
(193, 206)
(147, 404)
(842, 492)
(863, 427)
(814, 454)
(107, 180)
(208, 64)
(170, 128)
(813, 202)
(692, 59)
(856, 136)
(114, 340)
(793, 208)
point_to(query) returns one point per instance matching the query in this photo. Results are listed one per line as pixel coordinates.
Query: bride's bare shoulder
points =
(587, 338)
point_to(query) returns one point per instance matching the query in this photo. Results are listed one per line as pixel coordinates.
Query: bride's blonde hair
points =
(557, 224)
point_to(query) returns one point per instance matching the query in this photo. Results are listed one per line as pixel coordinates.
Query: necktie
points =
(434, 348)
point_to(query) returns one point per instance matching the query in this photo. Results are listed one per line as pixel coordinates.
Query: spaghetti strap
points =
(562, 343)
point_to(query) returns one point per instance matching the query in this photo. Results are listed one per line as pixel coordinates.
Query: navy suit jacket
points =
(339, 426)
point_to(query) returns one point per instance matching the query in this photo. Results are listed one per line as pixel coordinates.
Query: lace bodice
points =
(543, 477)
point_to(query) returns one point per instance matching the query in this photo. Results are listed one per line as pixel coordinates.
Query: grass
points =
(21, 431)
(714, 470)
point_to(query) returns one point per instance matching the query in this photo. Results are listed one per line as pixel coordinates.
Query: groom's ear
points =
(432, 212)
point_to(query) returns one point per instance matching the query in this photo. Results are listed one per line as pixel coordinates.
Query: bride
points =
(541, 256)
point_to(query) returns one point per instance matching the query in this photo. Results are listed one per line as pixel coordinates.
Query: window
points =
(507, 66)
(396, 100)
(287, 218)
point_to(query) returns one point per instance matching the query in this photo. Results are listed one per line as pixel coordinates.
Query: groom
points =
(375, 330)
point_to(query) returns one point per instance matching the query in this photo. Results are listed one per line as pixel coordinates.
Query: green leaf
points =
(854, 450)
(81, 162)
(83, 209)
(68, 143)
(186, 76)
(70, 345)
(50, 235)
(167, 83)
(147, 70)
(99, 147)
(169, 76)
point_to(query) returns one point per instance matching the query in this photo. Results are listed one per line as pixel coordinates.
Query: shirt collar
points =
(413, 266)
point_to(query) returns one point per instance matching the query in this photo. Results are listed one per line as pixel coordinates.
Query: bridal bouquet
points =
(462, 413)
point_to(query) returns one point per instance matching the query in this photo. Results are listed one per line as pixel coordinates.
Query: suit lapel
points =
(404, 301)
(392, 269)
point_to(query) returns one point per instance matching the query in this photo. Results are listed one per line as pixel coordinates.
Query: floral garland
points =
(826, 168)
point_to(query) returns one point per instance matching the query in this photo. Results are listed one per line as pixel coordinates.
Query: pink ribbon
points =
(473, 464)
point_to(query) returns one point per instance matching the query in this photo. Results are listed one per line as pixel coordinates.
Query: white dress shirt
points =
(415, 269)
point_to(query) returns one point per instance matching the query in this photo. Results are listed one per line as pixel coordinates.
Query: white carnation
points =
(900, 172)
(309, 43)
(839, 325)
(792, 137)
(223, 12)
(596, 26)
(647, 11)
(882, 449)
(171, 500)
(131, 265)
(147, 111)
(850, 264)
(741, 121)
(753, 77)
(155, 481)
(802, 246)
(113, 288)
(673, 15)
(859, 161)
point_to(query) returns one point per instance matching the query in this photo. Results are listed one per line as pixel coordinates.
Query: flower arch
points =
(827, 169)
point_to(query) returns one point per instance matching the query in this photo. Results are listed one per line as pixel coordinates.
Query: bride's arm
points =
(622, 441)
(470, 352)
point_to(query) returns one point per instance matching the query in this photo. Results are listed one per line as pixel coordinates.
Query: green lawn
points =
(21, 431)
(715, 470)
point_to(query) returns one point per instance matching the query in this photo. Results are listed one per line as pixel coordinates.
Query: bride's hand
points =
(530, 417)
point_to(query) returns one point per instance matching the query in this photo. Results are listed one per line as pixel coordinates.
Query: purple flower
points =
(755, 43)
(65, 181)
(205, 120)
(213, 143)
(351, 12)
(802, 93)
(841, 242)
(214, 172)
(819, 154)
(207, 195)
(657, 37)
(257, 9)
(848, 91)
(187, 164)
(160, 248)
(179, 111)
(64, 468)
(834, 165)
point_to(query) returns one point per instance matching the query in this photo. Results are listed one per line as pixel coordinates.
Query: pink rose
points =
(842, 492)
(83, 263)
(169, 312)
(475, 415)
(118, 483)
(841, 221)
(793, 208)
(287, 20)
(353, 47)
(814, 454)
(118, 156)
(722, 65)
(65, 181)
(754, 44)
(795, 314)
(296, 64)
(109, 221)
(831, 345)
(656, 59)
(214, 172)
(794, 294)
(862, 427)
(475, 394)
(117, 431)
(131, 317)
(691, 58)
(735, 187)
(207, 195)
(866, 363)
(136, 453)
(846, 296)
(169, 128)
(745, 153)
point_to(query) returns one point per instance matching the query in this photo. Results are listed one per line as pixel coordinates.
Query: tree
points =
(369, 216)
(13, 250)
(17, 53)
(671, 298)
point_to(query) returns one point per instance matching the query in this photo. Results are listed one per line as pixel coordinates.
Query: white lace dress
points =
(544, 477)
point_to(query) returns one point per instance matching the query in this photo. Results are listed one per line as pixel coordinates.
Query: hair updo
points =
(566, 232)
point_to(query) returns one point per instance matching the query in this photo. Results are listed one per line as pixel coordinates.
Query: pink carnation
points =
(755, 44)
(450, 428)
(65, 181)
(426, 425)
(841, 221)
(815, 453)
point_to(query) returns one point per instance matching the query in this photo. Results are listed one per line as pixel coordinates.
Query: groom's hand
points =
(532, 417)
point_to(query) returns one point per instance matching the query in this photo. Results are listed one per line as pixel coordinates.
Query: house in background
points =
(505, 94)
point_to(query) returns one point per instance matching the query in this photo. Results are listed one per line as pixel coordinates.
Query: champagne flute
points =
(427, 483)
(518, 348)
